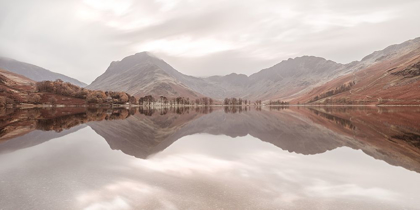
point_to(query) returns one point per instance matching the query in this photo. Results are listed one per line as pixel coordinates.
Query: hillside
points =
(35, 73)
(16, 89)
(393, 77)
(141, 74)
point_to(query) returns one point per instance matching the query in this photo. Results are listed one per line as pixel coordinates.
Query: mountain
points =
(143, 74)
(35, 73)
(299, 79)
(390, 76)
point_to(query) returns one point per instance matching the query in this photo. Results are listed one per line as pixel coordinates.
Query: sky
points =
(80, 38)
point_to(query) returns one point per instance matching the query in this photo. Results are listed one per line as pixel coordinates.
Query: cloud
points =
(80, 38)
(322, 188)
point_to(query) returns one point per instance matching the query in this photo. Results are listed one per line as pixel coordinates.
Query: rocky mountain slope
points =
(142, 74)
(35, 73)
(390, 76)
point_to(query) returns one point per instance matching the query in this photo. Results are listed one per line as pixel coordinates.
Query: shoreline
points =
(30, 106)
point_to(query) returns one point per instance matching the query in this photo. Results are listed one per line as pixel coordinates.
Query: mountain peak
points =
(135, 59)
(145, 54)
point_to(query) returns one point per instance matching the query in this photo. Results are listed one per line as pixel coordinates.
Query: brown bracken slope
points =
(393, 79)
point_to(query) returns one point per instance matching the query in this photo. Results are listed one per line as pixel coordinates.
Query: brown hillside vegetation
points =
(16, 89)
(393, 81)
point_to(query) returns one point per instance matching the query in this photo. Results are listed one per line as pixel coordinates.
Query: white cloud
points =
(186, 46)
(80, 38)
(118, 7)
(322, 188)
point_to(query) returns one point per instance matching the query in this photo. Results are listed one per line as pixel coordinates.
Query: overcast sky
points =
(80, 38)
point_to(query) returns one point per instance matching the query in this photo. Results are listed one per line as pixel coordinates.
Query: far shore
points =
(29, 106)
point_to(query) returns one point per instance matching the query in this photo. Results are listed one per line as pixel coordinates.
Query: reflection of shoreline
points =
(142, 136)
(388, 134)
(22, 128)
(385, 133)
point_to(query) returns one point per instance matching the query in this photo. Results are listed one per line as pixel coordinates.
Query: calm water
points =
(213, 158)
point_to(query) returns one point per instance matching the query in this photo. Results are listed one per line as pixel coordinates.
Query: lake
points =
(210, 158)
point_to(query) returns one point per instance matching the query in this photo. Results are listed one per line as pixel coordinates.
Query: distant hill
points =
(282, 80)
(14, 87)
(35, 73)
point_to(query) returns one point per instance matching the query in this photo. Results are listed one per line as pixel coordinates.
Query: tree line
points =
(149, 100)
(91, 96)
(236, 101)
(278, 102)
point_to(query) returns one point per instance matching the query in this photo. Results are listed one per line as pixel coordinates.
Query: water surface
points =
(210, 158)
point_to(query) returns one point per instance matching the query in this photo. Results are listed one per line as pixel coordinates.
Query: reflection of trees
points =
(57, 119)
(148, 111)
(234, 109)
(339, 121)
(278, 108)
(92, 114)
(61, 123)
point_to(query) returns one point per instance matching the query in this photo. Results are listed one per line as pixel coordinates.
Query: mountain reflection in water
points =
(390, 134)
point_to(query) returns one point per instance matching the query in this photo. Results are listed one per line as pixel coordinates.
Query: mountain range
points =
(297, 80)
(144, 73)
(388, 76)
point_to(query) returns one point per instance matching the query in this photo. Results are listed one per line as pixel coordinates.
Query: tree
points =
(34, 98)
(96, 97)
(52, 100)
(133, 100)
(149, 100)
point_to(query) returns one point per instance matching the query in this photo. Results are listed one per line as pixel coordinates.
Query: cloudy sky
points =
(80, 38)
